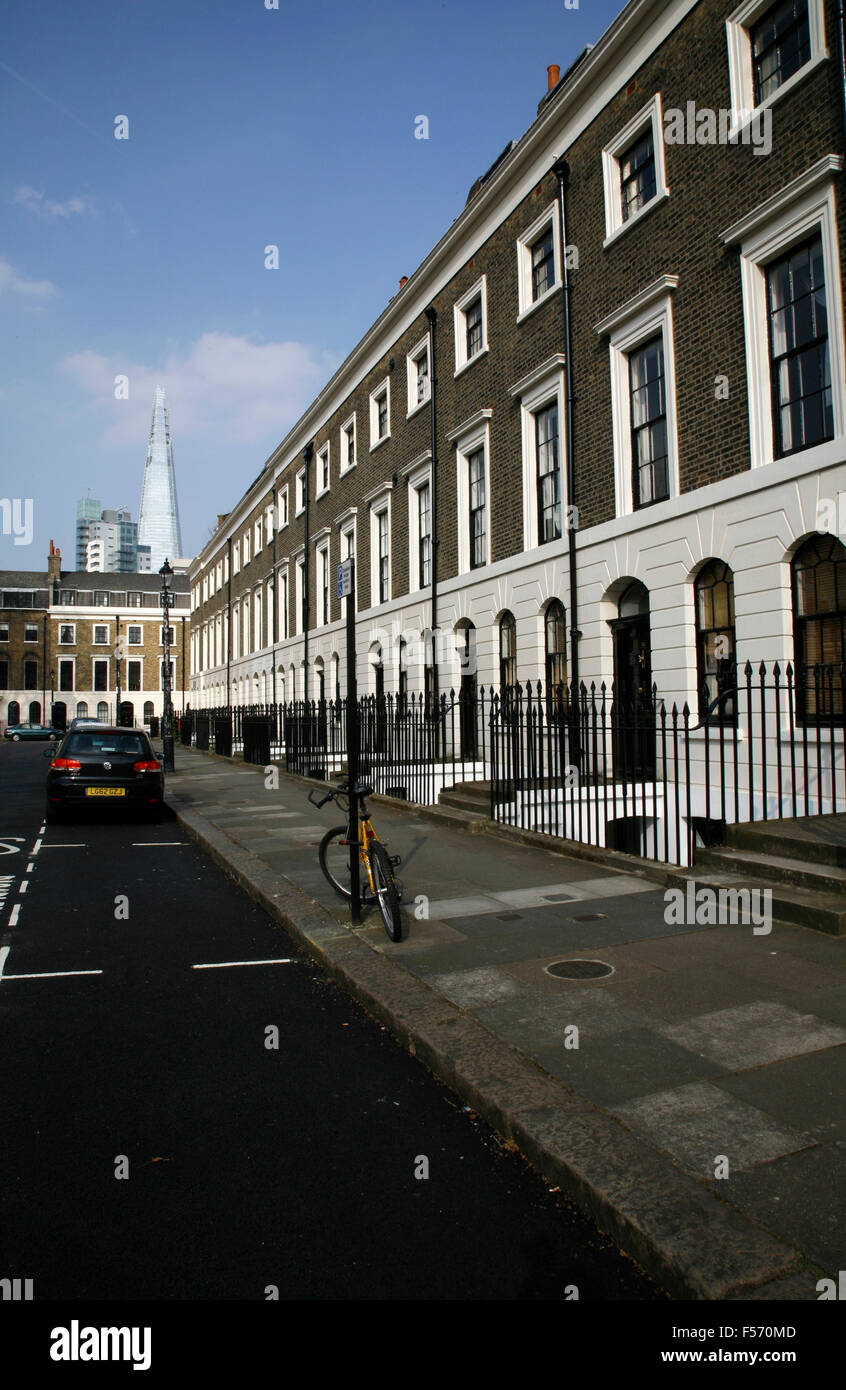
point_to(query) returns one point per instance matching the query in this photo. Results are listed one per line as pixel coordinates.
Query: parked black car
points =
(102, 767)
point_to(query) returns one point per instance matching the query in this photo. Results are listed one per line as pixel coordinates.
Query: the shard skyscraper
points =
(158, 519)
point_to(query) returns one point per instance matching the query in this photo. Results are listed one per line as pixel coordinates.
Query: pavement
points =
(690, 1101)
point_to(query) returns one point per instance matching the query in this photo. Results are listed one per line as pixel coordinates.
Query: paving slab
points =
(704, 1041)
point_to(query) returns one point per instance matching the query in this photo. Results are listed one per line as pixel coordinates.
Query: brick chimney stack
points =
(54, 563)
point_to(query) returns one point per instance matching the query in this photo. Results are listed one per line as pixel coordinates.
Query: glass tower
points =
(158, 519)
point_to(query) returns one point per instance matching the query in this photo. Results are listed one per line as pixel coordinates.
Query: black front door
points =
(633, 714)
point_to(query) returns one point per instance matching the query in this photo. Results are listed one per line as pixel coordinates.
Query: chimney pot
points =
(403, 281)
(552, 75)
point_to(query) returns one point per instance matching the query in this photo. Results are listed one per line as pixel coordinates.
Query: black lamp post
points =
(166, 573)
(117, 668)
(52, 695)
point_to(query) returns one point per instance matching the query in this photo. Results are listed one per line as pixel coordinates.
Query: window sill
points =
(470, 361)
(322, 493)
(536, 303)
(344, 471)
(749, 116)
(415, 409)
(636, 218)
(379, 442)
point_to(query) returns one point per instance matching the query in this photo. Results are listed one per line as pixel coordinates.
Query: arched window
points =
(148, 711)
(103, 712)
(82, 709)
(507, 651)
(14, 713)
(555, 649)
(716, 658)
(819, 628)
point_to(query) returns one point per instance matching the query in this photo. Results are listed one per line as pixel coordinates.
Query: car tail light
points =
(149, 766)
(67, 764)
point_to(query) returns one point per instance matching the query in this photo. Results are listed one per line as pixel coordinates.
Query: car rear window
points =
(107, 743)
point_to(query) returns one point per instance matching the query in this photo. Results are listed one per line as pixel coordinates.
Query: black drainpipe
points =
(307, 452)
(432, 317)
(561, 169)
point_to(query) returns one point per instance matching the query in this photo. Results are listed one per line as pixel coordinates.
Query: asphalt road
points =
(179, 1125)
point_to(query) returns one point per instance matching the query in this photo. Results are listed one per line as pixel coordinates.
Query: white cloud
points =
(35, 202)
(12, 280)
(225, 389)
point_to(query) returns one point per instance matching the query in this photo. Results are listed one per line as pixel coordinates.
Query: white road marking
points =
(75, 845)
(155, 844)
(36, 847)
(13, 915)
(4, 952)
(52, 974)
(222, 964)
(29, 868)
(24, 884)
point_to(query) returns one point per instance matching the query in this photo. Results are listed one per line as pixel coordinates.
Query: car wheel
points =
(16, 738)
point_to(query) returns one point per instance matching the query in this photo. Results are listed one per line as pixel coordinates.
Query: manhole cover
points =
(509, 916)
(579, 969)
(590, 917)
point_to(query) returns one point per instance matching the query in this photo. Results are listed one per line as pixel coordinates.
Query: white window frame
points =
(108, 665)
(418, 478)
(4, 632)
(741, 81)
(535, 391)
(763, 236)
(282, 603)
(219, 570)
(59, 689)
(347, 542)
(299, 588)
(462, 361)
(634, 323)
(258, 536)
(321, 556)
(299, 496)
(348, 430)
(245, 549)
(649, 116)
(236, 557)
(383, 389)
(140, 662)
(72, 641)
(415, 356)
(380, 505)
(282, 508)
(467, 438)
(100, 641)
(258, 618)
(268, 524)
(323, 466)
(525, 243)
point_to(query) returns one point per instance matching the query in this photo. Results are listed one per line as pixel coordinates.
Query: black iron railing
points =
(583, 764)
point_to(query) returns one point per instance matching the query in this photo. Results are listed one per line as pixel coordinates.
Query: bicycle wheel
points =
(334, 856)
(386, 890)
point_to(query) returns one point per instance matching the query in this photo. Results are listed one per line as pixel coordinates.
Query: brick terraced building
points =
(600, 433)
(69, 640)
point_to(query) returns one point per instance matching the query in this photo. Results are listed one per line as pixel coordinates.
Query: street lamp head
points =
(166, 573)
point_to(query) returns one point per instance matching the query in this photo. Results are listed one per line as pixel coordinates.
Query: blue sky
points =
(145, 257)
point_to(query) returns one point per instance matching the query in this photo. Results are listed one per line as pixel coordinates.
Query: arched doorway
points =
(633, 714)
(60, 715)
(468, 694)
(14, 713)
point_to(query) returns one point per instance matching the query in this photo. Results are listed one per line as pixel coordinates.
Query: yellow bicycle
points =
(377, 865)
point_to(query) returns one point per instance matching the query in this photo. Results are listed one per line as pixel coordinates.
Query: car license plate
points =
(105, 791)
